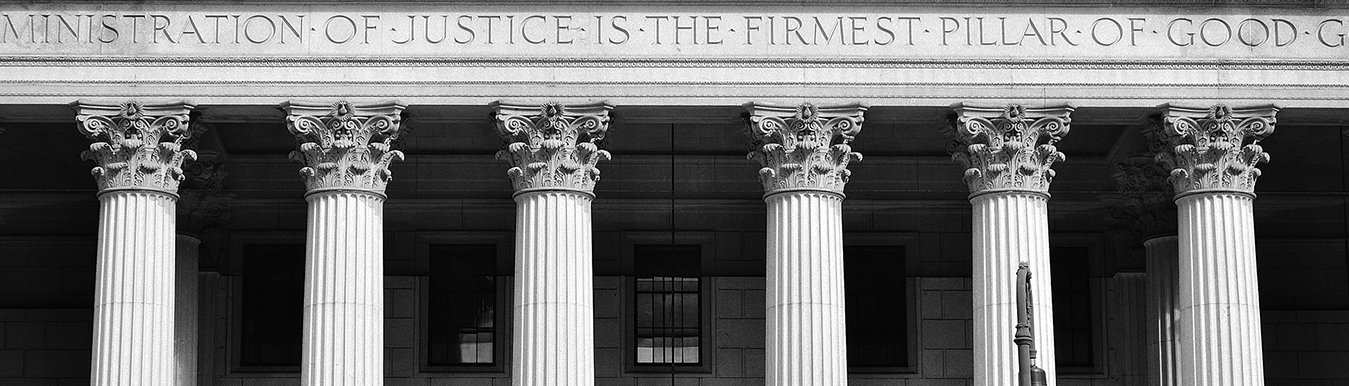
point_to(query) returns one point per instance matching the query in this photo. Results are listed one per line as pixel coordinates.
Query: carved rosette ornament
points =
(552, 146)
(805, 147)
(1008, 148)
(345, 146)
(136, 146)
(1215, 148)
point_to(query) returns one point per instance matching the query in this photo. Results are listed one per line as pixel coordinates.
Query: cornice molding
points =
(136, 145)
(1008, 148)
(552, 145)
(1214, 148)
(344, 145)
(803, 147)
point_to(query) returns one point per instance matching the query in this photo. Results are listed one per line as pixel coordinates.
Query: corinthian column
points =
(552, 150)
(1212, 153)
(138, 150)
(1008, 152)
(346, 150)
(201, 206)
(1146, 212)
(805, 154)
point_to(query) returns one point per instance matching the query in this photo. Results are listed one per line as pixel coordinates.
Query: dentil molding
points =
(552, 146)
(1214, 148)
(136, 146)
(345, 146)
(1008, 148)
(804, 147)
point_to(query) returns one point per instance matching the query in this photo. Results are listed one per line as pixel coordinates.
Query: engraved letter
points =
(949, 25)
(524, 29)
(1171, 28)
(328, 29)
(1321, 33)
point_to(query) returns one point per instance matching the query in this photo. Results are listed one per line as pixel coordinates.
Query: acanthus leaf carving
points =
(1008, 147)
(343, 145)
(1215, 148)
(136, 145)
(552, 145)
(804, 147)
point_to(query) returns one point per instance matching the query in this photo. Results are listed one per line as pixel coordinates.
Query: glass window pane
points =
(876, 314)
(462, 304)
(668, 309)
(273, 305)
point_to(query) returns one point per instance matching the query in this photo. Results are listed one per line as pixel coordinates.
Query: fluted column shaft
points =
(554, 307)
(1161, 309)
(185, 311)
(1218, 339)
(134, 302)
(807, 343)
(1010, 227)
(344, 290)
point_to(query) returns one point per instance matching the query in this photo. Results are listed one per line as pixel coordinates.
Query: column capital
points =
(1144, 205)
(201, 203)
(345, 146)
(552, 145)
(1008, 147)
(803, 147)
(137, 146)
(1214, 148)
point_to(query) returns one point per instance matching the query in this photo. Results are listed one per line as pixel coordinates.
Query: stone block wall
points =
(45, 347)
(1306, 347)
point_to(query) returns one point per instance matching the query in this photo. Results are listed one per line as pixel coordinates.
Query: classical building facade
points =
(362, 193)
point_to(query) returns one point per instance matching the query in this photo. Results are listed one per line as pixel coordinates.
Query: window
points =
(1073, 309)
(273, 305)
(877, 313)
(462, 305)
(668, 304)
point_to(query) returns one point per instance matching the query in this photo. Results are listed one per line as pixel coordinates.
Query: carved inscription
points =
(430, 28)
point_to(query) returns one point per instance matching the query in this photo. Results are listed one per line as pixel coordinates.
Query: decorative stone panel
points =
(552, 146)
(804, 147)
(136, 146)
(345, 146)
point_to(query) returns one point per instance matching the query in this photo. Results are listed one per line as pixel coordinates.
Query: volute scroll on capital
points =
(552, 145)
(1008, 148)
(345, 146)
(803, 147)
(1214, 148)
(137, 146)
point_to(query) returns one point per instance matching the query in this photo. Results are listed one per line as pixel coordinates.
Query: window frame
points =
(1097, 282)
(706, 346)
(505, 262)
(233, 272)
(912, 244)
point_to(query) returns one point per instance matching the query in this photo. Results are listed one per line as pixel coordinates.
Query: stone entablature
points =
(552, 145)
(1214, 148)
(804, 147)
(345, 146)
(136, 146)
(1008, 148)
